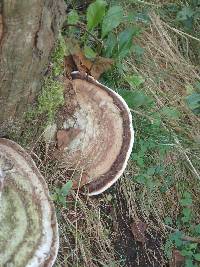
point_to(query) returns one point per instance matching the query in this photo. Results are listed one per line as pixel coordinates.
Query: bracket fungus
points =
(28, 225)
(98, 138)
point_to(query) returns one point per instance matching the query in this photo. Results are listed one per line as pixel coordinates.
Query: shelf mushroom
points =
(28, 225)
(98, 138)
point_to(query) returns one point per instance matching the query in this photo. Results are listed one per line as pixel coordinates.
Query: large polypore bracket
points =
(28, 225)
(99, 136)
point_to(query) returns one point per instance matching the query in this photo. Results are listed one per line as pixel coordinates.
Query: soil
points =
(132, 252)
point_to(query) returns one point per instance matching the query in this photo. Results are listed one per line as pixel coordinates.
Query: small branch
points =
(82, 26)
(184, 238)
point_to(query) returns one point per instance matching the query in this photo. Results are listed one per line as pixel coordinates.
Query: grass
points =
(164, 165)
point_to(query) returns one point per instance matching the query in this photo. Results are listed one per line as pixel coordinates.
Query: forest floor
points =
(148, 217)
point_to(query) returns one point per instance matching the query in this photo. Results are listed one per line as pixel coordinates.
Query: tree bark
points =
(28, 30)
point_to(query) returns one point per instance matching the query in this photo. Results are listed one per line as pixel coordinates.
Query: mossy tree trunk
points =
(28, 31)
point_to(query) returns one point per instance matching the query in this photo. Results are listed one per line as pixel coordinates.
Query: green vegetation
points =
(50, 98)
(155, 47)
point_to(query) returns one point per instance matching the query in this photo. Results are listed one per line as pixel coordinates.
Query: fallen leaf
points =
(177, 259)
(82, 63)
(100, 66)
(76, 60)
(94, 68)
(138, 229)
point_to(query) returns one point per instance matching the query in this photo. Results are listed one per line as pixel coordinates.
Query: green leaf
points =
(185, 13)
(110, 44)
(151, 171)
(135, 80)
(95, 13)
(186, 200)
(135, 99)
(197, 229)
(89, 52)
(176, 238)
(189, 263)
(168, 221)
(125, 40)
(187, 215)
(112, 19)
(66, 188)
(170, 112)
(197, 257)
(193, 102)
(72, 17)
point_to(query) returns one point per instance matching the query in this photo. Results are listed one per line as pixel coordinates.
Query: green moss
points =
(50, 98)
(58, 57)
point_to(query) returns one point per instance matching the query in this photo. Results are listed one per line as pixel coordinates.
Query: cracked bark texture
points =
(28, 31)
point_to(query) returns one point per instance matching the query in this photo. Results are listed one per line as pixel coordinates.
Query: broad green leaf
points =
(197, 229)
(110, 43)
(135, 99)
(72, 17)
(197, 257)
(187, 215)
(186, 199)
(168, 221)
(112, 19)
(193, 102)
(89, 52)
(125, 41)
(170, 112)
(135, 80)
(95, 13)
(176, 238)
(189, 263)
(186, 252)
(185, 13)
(137, 16)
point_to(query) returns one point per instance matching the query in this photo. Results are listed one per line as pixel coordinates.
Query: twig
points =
(82, 26)
(185, 238)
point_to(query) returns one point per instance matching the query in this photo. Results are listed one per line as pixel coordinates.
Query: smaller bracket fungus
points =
(98, 138)
(28, 225)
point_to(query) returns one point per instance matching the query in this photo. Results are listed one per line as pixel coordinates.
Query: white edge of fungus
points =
(42, 252)
(119, 174)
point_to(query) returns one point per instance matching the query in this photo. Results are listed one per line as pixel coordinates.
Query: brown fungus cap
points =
(28, 225)
(104, 134)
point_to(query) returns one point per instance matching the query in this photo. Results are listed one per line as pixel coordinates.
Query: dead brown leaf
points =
(100, 66)
(138, 229)
(94, 68)
(177, 259)
(76, 60)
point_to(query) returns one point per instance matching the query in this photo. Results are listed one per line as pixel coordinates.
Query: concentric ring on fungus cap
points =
(105, 133)
(28, 225)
